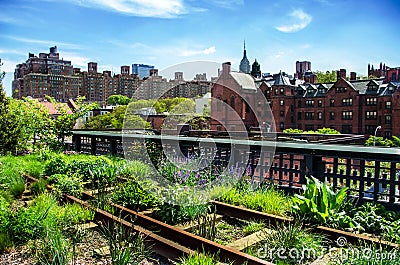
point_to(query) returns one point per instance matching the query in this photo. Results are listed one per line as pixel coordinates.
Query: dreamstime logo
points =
(342, 252)
(188, 170)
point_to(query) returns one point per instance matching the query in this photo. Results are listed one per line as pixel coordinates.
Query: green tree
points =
(8, 126)
(141, 103)
(326, 77)
(63, 124)
(116, 119)
(118, 100)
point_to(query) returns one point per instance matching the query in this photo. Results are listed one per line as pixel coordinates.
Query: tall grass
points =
(268, 200)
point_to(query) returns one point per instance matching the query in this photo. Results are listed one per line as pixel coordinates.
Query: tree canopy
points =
(327, 77)
(118, 100)
(115, 120)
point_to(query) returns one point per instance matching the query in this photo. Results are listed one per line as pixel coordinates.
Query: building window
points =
(309, 116)
(282, 113)
(281, 91)
(370, 115)
(281, 125)
(332, 115)
(347, 115)
(347, 101)
(319, 115)
(370, 129)
(340, 89)
(276, 91)
(332, 102)
(298, 115)
(233, 102)
(299, 104)
(347, 129)
(371, 102)
(319, 103)
(388, 105)
(388, 119)
(309, 103)
(281, 102)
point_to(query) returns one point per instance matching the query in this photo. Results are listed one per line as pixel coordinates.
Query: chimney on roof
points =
(341, 73)
(153, 72)
(353, 76)
(226, 68)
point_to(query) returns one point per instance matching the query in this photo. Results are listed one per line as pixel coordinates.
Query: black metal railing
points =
(370, 173)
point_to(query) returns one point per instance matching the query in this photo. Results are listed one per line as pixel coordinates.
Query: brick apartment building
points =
(55, 77)
(50, 75)
(354, 106)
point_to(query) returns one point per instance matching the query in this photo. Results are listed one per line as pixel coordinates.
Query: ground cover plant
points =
(288, 244)
(266, 198)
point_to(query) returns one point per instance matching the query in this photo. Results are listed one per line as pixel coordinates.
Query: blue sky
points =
(332, 34)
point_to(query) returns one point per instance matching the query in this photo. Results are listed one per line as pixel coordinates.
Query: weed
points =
(199, 259)
(53, 249)
(288, 243)
(253, 226)
(126, 246)
(38, 187)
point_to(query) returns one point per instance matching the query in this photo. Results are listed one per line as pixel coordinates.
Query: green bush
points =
(379, 141)
(134, 195)
(66, 184)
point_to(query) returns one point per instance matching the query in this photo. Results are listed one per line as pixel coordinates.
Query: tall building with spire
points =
(244, 66)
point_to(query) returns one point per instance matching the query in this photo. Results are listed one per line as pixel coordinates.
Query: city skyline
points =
(164, 33)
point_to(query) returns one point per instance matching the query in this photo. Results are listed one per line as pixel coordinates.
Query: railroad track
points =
(173, 242)
(166, 240)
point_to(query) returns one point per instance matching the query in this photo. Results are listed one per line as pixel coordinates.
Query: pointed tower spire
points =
(244, 66)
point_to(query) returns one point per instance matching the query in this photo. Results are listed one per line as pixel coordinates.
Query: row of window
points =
(346, 115)
(345, 102)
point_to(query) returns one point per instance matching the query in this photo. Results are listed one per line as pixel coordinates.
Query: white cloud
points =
(9, 65)
(9, 20)
(207, 51)
(44, 42)
(76, 59)
(226, 3)
(142, 8)
(300, 21)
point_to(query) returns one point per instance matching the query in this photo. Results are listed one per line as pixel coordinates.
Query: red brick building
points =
(355, 106)
(239, 104)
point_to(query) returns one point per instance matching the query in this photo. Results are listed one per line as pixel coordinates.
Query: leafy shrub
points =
(133, 195)
(318, 201)
(56, 165)
(379, 141)
(66, 184)
(292, 130)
